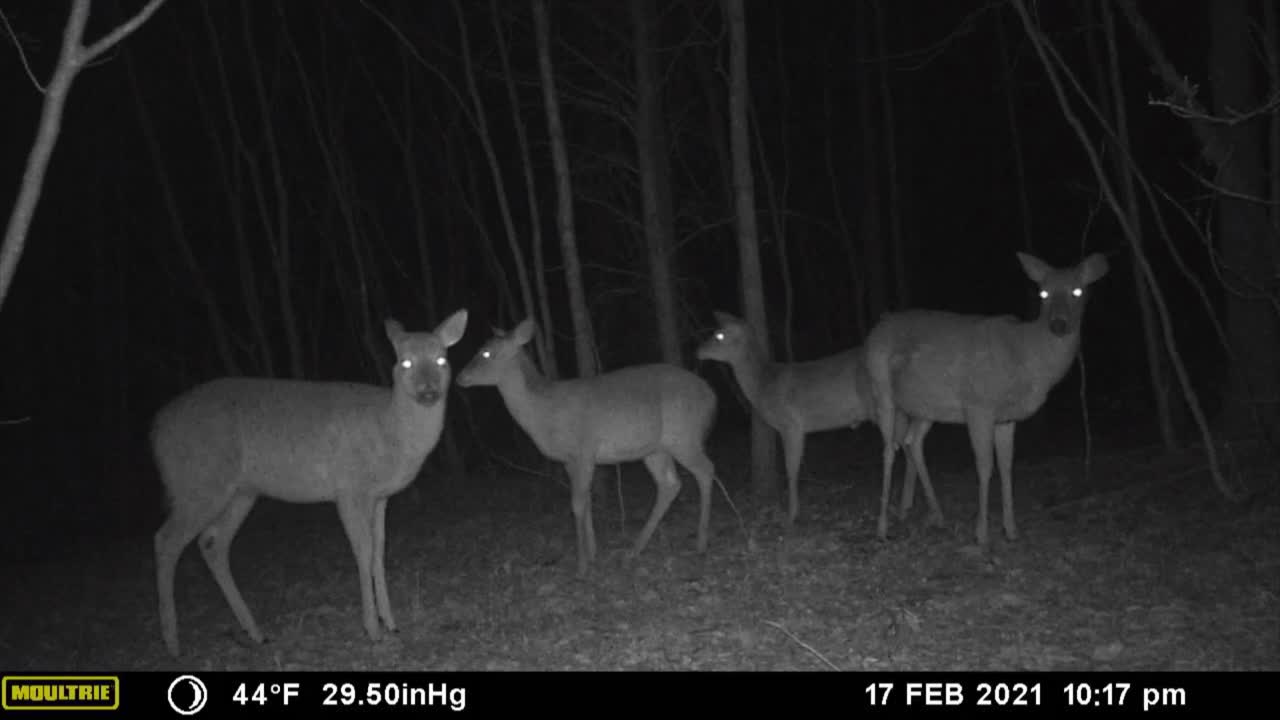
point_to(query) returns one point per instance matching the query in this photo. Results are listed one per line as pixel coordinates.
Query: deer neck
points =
(523, 389)
(415, 427)
(1050, 355)
(752, 371)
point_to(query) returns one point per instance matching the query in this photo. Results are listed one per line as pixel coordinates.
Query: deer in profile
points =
(799, 398)
(222, 445)
(986, 372)
(657, 413)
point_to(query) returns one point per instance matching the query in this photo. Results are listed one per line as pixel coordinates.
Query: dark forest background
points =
(251, 187)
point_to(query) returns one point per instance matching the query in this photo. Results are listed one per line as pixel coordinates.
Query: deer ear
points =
(451, 330)
(1034, 267)
(395, 332)
(524, 331)
(1093, 268)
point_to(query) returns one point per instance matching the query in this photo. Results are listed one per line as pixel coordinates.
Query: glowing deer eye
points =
(720, 336)
(442, 361)
(406, 363)
(486, 354)
(1044, 294)
(1077, 292)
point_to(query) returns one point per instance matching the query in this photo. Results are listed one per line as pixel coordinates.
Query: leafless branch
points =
(22, 55)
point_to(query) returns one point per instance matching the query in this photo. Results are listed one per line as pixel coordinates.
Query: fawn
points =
(799, 398)
(656, 413)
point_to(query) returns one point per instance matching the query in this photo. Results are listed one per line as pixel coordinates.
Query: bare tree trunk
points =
(655, 181)
(583, 338)
(230, 161)
(1249, 251)
(902, 287)
(212, 311)
(1156, 362)
(1015, 140)
(329, 150)
(495, 171)
(71, 59)
(546, 322)
(764, 476)
(777, 198)
(1271, 26)
(875, 269)
(857, 277)
(279, 232)
(716, 123)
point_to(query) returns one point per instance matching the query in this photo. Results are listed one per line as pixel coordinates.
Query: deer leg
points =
(357, 519)
(703, 472)
(668, 483)
(580, 474)
(919, 430)
(380, 594)
(981, 430)
(185, 521)
(215, 546)
(793, 453)
(885, 419)
(1004, 461)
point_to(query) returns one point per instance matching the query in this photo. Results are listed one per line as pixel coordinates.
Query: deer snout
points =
(428, 392)
(1060, 326)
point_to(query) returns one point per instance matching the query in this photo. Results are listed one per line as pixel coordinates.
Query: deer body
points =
(656, 413)
(948, 364)
(799, 398)
(222, 445)
(986, 372)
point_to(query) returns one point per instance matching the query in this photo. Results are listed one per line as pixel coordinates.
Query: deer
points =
(987, 372)
(799, 398)
(658, 413)
(223, 444)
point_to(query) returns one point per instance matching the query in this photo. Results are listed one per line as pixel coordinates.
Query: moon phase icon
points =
(198, 695)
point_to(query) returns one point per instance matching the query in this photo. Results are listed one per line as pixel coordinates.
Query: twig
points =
(803, 644)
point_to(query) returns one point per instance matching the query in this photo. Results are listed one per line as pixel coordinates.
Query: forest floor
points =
(1138, 564)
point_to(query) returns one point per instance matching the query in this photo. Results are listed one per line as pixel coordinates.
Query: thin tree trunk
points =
(875, 269)
(495, 172)
(777, 199)
(763, 454)
(336, 172)
(1156, 363)
(1250, 302)
(902, 287)
(655, 181)
(583, 337)
(1248, 251)
(178, 229)
(279, 235)
(546, 322)
(1271, 26)
(230, 160)
(1015, 139)
(71, 59)
(857, 284)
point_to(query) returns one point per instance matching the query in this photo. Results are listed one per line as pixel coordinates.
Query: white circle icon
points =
(199, 695)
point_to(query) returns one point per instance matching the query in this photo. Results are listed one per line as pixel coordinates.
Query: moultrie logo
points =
(61, 692)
